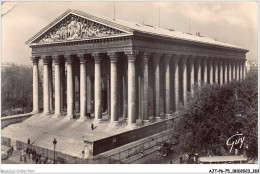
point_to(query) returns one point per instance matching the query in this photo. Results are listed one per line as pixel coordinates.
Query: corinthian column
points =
(70, 86)
(83, 86)
(191, 76)
(210, 71)
(228, 71)
(215, 71)
(184, 79)
(198, 70)
(224, 71)
(233, 70)
(243, 69)
(156, 59)
(146, 57)
(240, 70)
(220, 72)
(176, 87)
(167, 60)
(35, 85)
(51, 84)
(46, 95)
(237, 70)
(131, 56)
(113, 84)
(97, 87)
(204, 70)
(57, 61)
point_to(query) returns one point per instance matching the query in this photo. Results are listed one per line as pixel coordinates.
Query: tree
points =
(16, 89)
(249, 92)
(215, 113)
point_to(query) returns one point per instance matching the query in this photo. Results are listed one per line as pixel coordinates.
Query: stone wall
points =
(5, 121)
(115, 141)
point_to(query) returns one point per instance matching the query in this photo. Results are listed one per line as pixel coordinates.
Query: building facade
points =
(125, 69)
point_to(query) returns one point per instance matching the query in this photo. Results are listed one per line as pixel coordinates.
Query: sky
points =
(230, 22)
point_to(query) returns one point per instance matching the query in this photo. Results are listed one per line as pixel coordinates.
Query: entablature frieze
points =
(176, 41)
(108, 44)
(181, 47)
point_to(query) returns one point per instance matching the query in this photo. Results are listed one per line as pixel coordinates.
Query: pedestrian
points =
(27, 151)
(21, 155)
(142, 153)
(24, 157)
(180, 159)
(83, 154)
(29, 141)
(92, 126)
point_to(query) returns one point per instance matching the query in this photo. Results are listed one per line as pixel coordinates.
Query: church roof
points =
(128, 28)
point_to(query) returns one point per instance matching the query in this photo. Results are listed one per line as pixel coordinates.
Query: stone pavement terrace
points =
(70, 133)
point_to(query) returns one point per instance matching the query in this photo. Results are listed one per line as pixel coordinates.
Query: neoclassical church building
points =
(127, 69)
(97, 69)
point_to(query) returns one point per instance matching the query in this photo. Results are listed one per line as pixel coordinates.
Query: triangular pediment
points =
(73, 27)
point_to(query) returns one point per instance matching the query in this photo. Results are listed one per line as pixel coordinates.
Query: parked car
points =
(166, 148)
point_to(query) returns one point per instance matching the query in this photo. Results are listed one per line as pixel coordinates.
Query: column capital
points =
(210, 60)
(215, 60)
(176, 58)
(197, 59)
(68, 58)
(46, 59)
(243, 60)
(35, 60)
(156, 57)
(131, 55)
(225, 60)
(166, 58)
(82, 58)
(113, 56)
(191, 59)
(184, 58)
(57, 59)
(145, 56)
(97, 57)
(204, 60)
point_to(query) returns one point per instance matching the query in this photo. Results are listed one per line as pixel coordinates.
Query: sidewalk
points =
(15, 158)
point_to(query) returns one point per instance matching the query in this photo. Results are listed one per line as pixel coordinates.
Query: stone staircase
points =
(70, 133)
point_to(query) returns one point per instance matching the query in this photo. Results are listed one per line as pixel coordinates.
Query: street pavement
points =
(154, 158)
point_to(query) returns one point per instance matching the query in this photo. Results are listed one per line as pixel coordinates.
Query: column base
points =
(82, 118)
(68, 117)
(97, 121)
(146, 121)
(131, 125)
(112, 123)
(168, 115)
(35, 112)
(57, 115)
(158, 118)
(46, 113)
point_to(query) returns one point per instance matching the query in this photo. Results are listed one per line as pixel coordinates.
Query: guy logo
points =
(237, 139)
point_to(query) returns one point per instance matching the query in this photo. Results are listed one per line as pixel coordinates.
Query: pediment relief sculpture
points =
(75, 28)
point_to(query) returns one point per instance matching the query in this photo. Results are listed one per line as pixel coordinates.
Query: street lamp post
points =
(54, 145)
